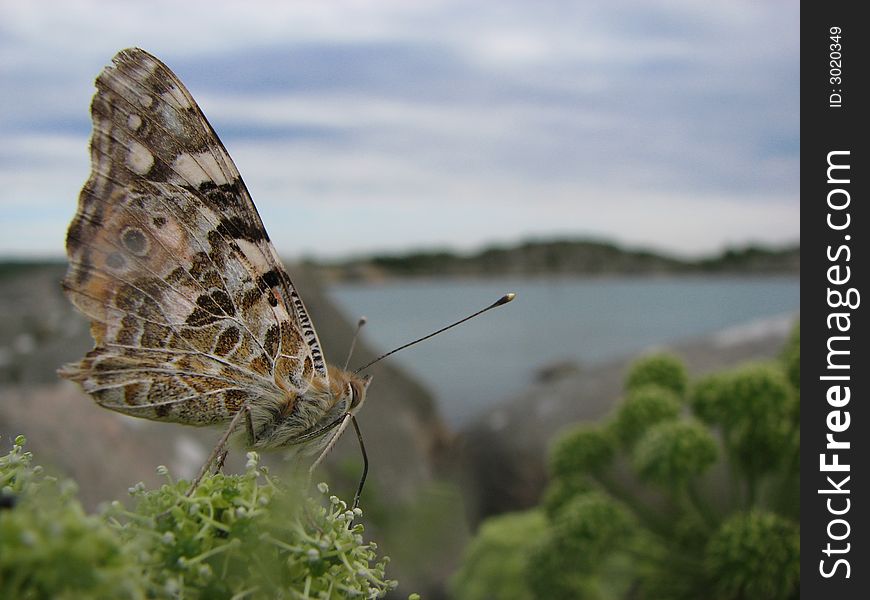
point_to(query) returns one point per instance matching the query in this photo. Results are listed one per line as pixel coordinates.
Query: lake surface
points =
(496, 355)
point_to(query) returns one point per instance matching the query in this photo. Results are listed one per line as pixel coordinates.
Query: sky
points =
(386, 126)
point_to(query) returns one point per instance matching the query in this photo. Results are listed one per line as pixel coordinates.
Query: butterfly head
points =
(348, 389)
(305, 421)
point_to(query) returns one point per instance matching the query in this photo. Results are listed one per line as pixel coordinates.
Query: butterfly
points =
(194, 318)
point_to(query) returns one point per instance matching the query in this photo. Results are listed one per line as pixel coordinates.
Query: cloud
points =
(383, 124)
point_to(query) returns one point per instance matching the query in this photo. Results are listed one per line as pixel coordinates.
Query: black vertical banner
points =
(835, 433)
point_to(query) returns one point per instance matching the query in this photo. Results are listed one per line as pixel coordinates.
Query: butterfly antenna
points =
(503, 300)
(359, 325)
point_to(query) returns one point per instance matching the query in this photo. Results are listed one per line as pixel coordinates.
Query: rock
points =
(557, 370)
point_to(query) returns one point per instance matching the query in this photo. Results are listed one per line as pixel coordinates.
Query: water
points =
(585, 320)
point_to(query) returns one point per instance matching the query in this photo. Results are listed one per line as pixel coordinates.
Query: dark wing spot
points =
(271, 278)
(116, 261)
(128, 331)
(132, 392)
(200, 318)
(250, 297)
(227, 341)
(226, 197)
(211, 278)
(134, 241)
(154, 335)
(222, 299)
(159, 171)
(238, 228)
(204, 314)
(83, 272)
(210, 308)
(261, 364)
(159, 221)
(199, 264)
(271, 342)
(125, 297)
(177, 275)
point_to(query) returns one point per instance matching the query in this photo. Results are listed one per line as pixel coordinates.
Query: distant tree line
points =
(563, 257)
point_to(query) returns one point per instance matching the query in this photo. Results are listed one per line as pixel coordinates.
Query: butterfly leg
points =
(249, 423)
(329, 446)
(338, 431)
(347, 418)
(365, 472)
(220, 462)
(216, 451)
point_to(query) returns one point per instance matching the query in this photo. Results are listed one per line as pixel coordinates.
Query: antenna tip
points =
(362, 321)
(505, 299)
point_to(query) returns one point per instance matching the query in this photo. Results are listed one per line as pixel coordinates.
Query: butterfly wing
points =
(191, 310)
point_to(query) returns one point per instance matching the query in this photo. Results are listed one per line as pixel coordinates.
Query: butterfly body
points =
(192, 313)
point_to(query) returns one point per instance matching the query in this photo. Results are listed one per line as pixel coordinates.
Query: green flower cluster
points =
(237, 536)
(495, 562)
(49, 547)
(690, 490)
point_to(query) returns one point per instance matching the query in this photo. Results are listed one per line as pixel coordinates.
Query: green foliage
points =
(584, 534)
(755, 555)
(685, 506)
(564, 489)
(708, 398)
(417, 263)
(549, 575)
(236, 536)
(589, 528)
(757, 392)
(663, 370)
(581, 449)
(672, 453)
(758, 412)
(49, 547)
(644, 407)
(495, 563)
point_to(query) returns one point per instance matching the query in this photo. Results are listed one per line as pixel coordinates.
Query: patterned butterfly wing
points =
(191, 311)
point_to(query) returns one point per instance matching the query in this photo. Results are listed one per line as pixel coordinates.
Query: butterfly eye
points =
(355, 395)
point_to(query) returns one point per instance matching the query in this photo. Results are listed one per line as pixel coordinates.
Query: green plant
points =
(663, 370)
(586, 533)
(582, 449)
(755, 555)
(564, 489)
(645, 406)
(495, 562)
(757, 411)
(49, 547)
(688, 491)
(674, 453)
(236, 536)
